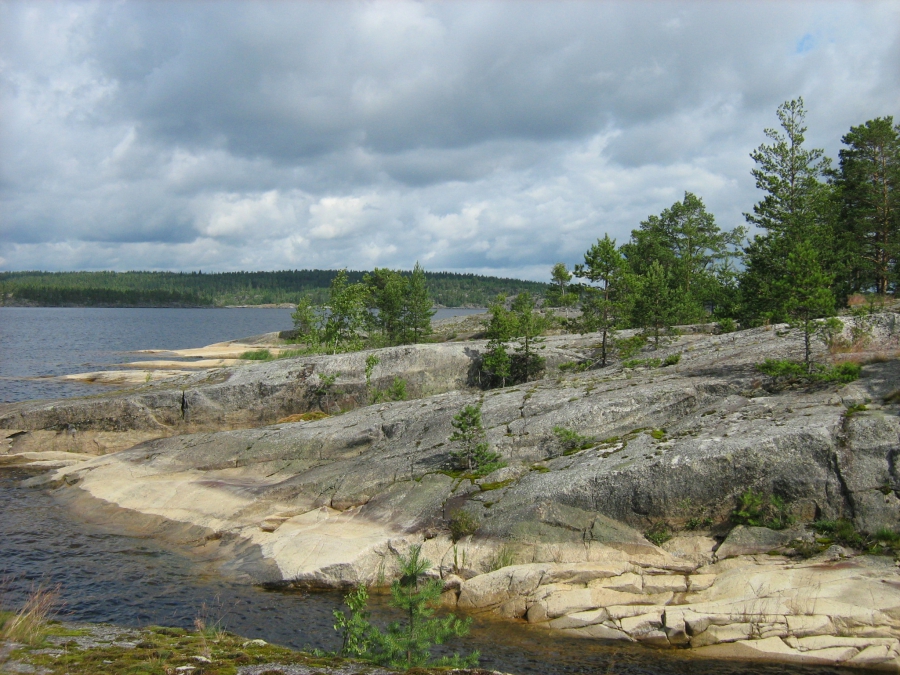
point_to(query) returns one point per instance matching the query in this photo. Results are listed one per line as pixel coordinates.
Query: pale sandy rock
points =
(769, 649)
(728, 633)
(743, 540)
(656, 583)
(642, 624)
(833, 655)
(123, 376)
(815, 642)
(616, 612)
(804, 624)
(700, 582)
(656, 638)
(537, 612)
(872, 655)
(598, 632)
(580, 619)
(697, 548)
(201, 364)
(626, 583)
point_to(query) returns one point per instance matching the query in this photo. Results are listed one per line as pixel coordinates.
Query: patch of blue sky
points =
(806, 43)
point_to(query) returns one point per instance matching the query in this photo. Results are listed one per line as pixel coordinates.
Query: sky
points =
(489, 137)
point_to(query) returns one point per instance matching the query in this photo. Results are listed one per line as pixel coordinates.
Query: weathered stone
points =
(700, 582)
(751, 540)
(626, 583)
(728, 633)
(641, 624)
(658, 583)
(580, 619)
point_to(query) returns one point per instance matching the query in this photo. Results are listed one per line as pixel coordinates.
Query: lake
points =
(36, 342)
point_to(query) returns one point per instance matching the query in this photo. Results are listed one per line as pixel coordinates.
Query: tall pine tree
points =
(869, 185)
(602, 304)
(796, 207)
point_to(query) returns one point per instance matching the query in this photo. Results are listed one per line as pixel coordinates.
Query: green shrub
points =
(842, 373)
(628, 347)
(462, 524)
(671, 360)
(504, 557)
(840, 531)
(571, 441)
(658, 533)
(407, 644)
(726, 325)
(574, 366)
(642, 363)
(776, 368)
(396, 391)
(757, 510)
(257, 355)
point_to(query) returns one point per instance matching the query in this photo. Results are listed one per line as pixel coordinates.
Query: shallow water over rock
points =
(104, 577)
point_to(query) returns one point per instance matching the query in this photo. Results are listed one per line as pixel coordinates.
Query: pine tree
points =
(807, 293)
(417, 311)
(869, 185)
(474, 454)
(347, 315)
(388, 296)
(529, 326)
(603, 304)
(655, 303)
(559, 294)
(404, 644)
(308, 321)
(797, 206)
(688, 243)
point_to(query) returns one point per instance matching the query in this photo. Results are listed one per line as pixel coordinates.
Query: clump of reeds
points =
(29, 624)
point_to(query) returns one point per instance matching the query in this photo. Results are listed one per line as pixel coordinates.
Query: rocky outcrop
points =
(261, 393)
(329, 502)
(755, 609)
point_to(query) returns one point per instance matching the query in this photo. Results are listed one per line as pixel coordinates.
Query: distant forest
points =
(196, 289)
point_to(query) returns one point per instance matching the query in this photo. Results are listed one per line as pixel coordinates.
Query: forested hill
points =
(195, 289)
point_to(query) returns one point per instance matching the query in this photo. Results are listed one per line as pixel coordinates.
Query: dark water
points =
(42, 341)
(104, 577)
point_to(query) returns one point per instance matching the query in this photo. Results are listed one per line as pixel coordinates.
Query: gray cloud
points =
(492, 137)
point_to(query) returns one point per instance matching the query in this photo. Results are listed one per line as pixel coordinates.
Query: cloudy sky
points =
(494, 137)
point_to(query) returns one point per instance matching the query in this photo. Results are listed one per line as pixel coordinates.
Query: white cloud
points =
(489, 137)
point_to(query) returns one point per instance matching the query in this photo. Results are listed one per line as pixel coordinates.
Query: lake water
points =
(36, 342)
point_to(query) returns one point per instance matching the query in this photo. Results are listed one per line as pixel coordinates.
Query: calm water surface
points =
(44, 341)
(105, 577)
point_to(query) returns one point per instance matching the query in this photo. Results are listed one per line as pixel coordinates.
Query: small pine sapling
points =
(474, 454)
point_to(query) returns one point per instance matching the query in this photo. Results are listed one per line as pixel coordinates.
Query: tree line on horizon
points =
(825, 233)
(198, 289)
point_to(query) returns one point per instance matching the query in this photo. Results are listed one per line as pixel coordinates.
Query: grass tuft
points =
(30, 624)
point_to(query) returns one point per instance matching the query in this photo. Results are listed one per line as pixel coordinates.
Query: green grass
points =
(257, 355)
(160, 651)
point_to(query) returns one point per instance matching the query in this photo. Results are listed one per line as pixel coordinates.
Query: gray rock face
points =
(667, 445)
(262, 393)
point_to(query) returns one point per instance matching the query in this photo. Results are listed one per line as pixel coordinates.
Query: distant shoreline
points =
(283, 305)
